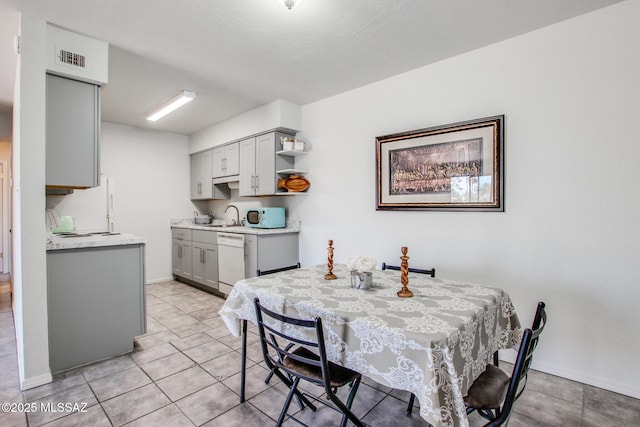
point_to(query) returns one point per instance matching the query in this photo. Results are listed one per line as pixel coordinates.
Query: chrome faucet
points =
(237, 220)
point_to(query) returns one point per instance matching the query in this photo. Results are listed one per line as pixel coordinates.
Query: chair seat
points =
(339, 374)
(488, 390)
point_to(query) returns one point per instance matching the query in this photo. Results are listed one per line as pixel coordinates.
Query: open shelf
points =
(291, 172)
(291, 153)
(290, 193)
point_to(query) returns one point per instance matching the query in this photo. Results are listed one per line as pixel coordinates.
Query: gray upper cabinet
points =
(258, 164)
(72, 133)
(247, 167)
(201, 177)
(225, 160)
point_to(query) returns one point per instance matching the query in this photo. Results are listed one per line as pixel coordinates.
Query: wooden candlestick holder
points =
(404, 275)
(330, 275)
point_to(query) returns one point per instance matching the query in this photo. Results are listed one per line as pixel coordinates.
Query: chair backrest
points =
(280, 333)
(431, 272)
(522, 364)
(277, 270)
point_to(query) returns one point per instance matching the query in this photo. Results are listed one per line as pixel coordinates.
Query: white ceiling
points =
(240, 54)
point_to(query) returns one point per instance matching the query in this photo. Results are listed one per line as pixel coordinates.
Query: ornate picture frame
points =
(453, 167)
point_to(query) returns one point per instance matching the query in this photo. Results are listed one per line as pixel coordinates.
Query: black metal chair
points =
(494, 375)
(291, 364)
(494, 393)
(277, 270)
(431, 272)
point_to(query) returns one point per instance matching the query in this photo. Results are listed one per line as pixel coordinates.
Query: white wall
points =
(277, 114)
(151, 174)
(29, 268)
(570, 232)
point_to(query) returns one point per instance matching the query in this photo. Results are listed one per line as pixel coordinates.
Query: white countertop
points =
(59, 242)
(292, 227)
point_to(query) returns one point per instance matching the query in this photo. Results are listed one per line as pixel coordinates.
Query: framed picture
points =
(454, 167)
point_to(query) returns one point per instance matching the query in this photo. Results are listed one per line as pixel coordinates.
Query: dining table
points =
(434, 344)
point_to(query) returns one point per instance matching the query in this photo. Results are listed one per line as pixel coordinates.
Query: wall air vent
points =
(75, 56)
(71, 58)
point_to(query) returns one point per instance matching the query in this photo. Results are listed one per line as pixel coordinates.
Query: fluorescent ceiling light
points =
(177, 102)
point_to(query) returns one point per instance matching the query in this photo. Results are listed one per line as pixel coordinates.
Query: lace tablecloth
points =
(434, 344)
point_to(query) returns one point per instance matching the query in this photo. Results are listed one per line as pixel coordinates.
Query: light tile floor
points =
(185, 372)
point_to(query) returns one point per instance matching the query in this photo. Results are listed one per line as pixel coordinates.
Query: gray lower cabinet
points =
(266, 252)
(194, 256)
(96, 303)
(181, 252)
(196, 259)
(204, 258)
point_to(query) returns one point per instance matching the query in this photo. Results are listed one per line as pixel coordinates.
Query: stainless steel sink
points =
(220, 225)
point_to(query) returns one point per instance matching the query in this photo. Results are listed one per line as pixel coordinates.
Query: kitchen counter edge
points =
(61, 243)
(239, 230)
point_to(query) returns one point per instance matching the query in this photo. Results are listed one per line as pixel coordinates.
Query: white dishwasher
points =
(230, 260)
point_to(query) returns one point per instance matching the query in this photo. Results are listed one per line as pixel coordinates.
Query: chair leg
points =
(352, 394)
(266, 380)
(488, 414)
(346, 408)
(285, 408)
(412, 399)
(299, 396)
(243, 363)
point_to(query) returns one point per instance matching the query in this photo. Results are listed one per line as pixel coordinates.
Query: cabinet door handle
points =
(202, 256)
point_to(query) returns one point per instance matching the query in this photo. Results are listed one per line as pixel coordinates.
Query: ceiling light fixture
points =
(290, 3)
(175, 103)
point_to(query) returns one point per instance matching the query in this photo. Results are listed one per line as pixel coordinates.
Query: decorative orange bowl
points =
(294, 183)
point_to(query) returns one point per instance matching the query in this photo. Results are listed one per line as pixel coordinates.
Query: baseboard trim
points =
(581, 377)
(32, 382)
(592, 380)
(151, 282)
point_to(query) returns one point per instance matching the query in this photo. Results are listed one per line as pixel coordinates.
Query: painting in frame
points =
(454, 167)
